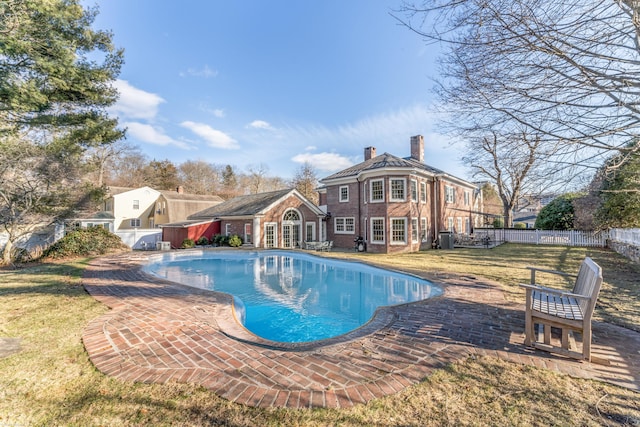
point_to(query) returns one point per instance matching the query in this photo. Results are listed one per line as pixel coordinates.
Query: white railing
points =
(546, 237)
(630, 236)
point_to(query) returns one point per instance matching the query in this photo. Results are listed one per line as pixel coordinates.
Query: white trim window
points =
(344, 225)
(414, 230)
(270, 235)
(134, 222)
(449, 194)
(423, 192)
(414, 190)
(136, 205)
(310, 232)
(450, 223)
(344, 193)
(399, 231)
(377, 230)
(398, 189)
(423, 229)
(227, 229)
(376, 190)
(467, 198)
(459, 225)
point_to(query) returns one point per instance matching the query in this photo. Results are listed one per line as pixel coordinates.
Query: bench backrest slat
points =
(588, 284)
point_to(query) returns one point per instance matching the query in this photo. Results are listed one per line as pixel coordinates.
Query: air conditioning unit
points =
(163, 246)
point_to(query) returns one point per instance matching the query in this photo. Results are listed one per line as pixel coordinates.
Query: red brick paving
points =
(158, 331)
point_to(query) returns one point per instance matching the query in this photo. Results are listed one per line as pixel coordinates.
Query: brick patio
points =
(158, 332)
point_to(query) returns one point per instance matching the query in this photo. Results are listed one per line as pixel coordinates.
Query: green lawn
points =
(51, 381)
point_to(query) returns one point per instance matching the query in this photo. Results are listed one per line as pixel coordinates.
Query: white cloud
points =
(324, 161)
(205, 72)
(214, 137)
(260, 124)
(219, 112)
(152, 135)
(135, 103)
(310, 148)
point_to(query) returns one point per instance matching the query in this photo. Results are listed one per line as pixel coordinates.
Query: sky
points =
(274, 83)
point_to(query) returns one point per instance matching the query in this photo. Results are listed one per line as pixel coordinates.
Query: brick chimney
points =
(417, 148)
(369, 153)
(180, 190)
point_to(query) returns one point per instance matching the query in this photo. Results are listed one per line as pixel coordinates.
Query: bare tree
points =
(257, 177)
(305, 181)
(200, 177)
(101, 160)
(515, 165)
(566, 70)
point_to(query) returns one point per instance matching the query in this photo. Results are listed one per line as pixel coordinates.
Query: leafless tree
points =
(101, 160)
(565, 70)
(256, 177)
(200, 177)
(305, 181)
(515, 165)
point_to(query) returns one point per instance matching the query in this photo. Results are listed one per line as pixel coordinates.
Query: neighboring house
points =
(397, 204)
(130, 208)
(176, 206)
(277, 219)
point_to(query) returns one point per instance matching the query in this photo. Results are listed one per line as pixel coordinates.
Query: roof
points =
(172, 195)
(185, 224)
(250, 205)
(383, 161)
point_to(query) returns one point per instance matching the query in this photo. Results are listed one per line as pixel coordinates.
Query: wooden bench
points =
(567, 311)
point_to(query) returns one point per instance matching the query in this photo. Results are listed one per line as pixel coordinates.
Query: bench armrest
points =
(553, 291)
(544, 270)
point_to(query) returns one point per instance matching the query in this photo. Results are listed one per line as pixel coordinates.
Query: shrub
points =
(235, 241)
(187, 243)
(519, 225)
(202, 241)
(86, 242)
(218, 239)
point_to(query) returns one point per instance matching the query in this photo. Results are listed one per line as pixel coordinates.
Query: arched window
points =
(291, 215)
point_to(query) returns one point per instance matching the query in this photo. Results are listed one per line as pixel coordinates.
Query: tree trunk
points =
(6, 253)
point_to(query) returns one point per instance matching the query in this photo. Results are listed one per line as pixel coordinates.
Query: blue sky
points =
(273, 82)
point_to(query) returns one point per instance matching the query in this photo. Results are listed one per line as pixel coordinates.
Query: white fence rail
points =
(545, 237)
(140, 238)
(630, 236)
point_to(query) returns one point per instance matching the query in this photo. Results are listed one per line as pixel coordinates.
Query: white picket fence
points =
(545, 237)
(630, 236)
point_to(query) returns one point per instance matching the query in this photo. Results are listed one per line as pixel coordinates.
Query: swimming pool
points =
(292, 296)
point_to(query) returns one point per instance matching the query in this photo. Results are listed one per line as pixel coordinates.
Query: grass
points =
(51, 381)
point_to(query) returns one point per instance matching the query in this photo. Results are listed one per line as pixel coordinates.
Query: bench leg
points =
(528, 323)
(586, 342)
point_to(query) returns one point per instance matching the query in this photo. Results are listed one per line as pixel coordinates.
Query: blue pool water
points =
(290, 296)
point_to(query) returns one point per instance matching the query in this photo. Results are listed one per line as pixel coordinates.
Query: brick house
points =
(397, 204)
(276, 219)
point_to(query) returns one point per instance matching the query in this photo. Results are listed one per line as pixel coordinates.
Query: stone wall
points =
(630, 251)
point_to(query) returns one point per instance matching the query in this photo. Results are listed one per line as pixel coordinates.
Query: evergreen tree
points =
(620, 194)
(55, 84)
(559, 214)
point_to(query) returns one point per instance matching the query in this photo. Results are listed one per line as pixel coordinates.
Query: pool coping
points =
(159, 331)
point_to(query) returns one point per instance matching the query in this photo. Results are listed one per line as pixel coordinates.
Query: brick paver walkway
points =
(159, 332)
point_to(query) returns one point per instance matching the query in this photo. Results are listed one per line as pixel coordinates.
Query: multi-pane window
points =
(377, 230)
(377, 190)
(459, 225)
(345, 225)
(467, 198)
(423, 192)
(414, 230)
(135, 222)
(136, 204)
(344, 193)
(397, 189)
(423, 228)
(450, 224)
(310, 234)
(449, 194)
(414, 191)
(398, 230)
